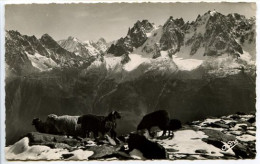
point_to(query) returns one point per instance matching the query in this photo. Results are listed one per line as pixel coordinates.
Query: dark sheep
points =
(150, 150)
(173, 125)
(44, 127)
(95, 124)
(158, 118)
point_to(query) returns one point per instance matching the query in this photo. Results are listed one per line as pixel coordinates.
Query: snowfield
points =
(41, 62)
(135, 61)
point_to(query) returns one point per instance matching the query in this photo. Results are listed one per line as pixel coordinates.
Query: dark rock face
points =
(173, 35)
(15, 55)
(150, 150)
(125, 59)
(136, 36)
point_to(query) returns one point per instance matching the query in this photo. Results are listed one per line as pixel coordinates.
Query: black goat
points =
(158, 118)
(95, 124)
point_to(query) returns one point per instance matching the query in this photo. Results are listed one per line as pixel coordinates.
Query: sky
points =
(110, 21)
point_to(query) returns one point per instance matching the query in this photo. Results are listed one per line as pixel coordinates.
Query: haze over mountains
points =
(191, 69)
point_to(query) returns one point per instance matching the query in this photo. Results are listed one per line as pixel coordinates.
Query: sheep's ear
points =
(113, 112)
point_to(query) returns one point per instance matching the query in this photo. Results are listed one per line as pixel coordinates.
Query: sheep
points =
(95, 124)
(44, 127)
(65, 125)
(158, 118)
(173, 125)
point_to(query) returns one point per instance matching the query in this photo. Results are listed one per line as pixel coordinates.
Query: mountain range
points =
(191, 69)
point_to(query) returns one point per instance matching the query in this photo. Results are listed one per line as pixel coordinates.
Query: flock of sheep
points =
(82, 126)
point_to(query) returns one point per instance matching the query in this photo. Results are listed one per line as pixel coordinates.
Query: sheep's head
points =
(51, 118)
(36, 121)
(114, 115)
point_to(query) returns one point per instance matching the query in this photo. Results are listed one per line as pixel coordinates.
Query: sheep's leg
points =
(164, 133)
(95, 134)
(87, 134)
(149, 131)
(103, 134)
(113, 134)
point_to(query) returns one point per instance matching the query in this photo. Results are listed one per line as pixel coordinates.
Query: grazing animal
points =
(95, 124)
(173, 125)
(44, 127)
(158, 118)
(149, 149)
(65, 125)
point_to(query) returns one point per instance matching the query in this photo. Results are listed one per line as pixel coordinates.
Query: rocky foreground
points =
(227, 137)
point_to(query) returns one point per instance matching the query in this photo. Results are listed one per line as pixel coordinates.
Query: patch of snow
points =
(186, 64)
(251, 128)
(247, 116)
(246, 137)
(251, 132)
(75, 39)
(188, 141)
(41, 62)
(210, 120)
(212, 13)
(91, 49)
(229, 121)
(112, 62)
(135, 61)
(81, 154)
(236, 132)
(219, 129)
(247, 57)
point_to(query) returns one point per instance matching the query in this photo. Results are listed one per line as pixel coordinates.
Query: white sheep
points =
(66, 125)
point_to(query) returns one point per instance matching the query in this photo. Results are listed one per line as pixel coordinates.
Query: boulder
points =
(101, 151)
(149, 149)
(37, 138)
(218, 125)
(215, 134)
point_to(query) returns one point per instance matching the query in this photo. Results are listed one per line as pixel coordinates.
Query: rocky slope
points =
(27, 54)
(226, 137)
